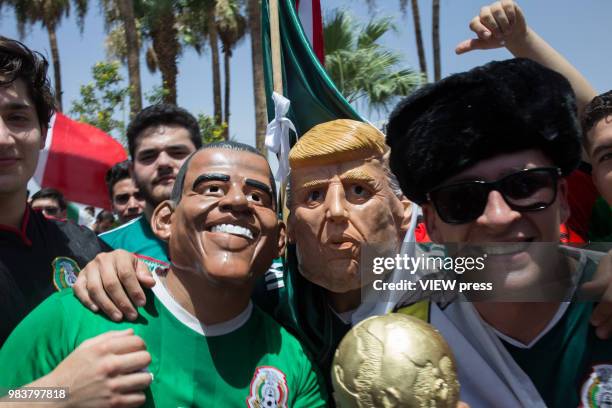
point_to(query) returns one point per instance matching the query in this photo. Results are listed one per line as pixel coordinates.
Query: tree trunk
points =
(166, 46)
(126, 10)
(435, 33)
(416, 17)
(56, 65)
(227, 54)
(259, 93)
(216, 67)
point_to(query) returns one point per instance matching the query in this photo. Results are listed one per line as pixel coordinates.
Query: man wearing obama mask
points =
(208, 344)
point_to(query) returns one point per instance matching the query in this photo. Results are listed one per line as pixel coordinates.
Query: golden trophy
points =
(394, 361)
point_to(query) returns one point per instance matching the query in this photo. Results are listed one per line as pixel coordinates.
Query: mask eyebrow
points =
(358, 176)
(210, 177)
(259, 185)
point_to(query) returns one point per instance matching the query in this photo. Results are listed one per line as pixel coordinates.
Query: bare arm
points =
(503, 24)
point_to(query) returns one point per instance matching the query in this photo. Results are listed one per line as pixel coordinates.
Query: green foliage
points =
(363, 70)
(100, 98)
(211, 132)
(156, 95)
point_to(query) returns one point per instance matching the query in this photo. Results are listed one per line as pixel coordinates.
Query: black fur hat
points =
(501, 107)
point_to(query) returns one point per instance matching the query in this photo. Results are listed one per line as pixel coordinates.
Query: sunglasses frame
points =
(555, 172)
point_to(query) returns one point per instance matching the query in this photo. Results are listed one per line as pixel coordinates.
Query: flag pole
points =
(277, 69)
(277, 78)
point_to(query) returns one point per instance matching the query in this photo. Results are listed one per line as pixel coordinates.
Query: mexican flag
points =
(75, 160)
(314, 97)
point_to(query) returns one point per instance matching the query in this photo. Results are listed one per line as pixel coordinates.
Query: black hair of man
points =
(120, 171)
(599, 108)
(162, 114)
(498, 108)
(177, 190)
(19, 62)
(53, 194)
(105, 215)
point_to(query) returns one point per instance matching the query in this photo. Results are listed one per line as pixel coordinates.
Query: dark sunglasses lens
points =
(531, 190)
(460, 203)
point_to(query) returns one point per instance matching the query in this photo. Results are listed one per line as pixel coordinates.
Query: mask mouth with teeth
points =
(222, 229)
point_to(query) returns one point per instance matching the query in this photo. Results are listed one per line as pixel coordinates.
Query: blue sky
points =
(580, 30)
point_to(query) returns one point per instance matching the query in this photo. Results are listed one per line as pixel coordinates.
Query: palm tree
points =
(123, 43)
(362, 69)
(259, 93)
(198, 27)
(126, 12)
(416, 19)
(231, 26)
(160, 23)
(49, 14)
(435, 34)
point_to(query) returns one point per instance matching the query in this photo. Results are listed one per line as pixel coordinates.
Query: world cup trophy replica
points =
(394, 361)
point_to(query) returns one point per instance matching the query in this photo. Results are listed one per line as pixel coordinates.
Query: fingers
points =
(145, 277)
(477, 27)
(98, 295)
(80, 291)
(499, 14)
(120, 277)
(475, 44)
(488, 20)
(129, 363)
(131, 383)
(509, 8)
(125, 345)
(129, 400)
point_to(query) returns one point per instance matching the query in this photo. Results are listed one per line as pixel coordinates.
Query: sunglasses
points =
(525, 190)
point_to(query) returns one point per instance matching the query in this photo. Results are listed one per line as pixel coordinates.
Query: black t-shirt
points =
(43, 256)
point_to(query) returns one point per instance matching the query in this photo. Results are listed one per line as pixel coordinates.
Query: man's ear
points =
(290, 228)
(429, 215)
(161, 221)
(564, 208)
(282, 239)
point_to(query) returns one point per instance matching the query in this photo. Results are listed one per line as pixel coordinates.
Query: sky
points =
(580, 30)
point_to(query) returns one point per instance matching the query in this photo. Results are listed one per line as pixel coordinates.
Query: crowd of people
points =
(202, 295)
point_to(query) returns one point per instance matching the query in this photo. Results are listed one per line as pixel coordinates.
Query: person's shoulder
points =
(275, 331)
(122, 232)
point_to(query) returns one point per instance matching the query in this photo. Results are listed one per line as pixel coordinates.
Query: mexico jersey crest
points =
(65, 271)
(597, 390)
(268, 389)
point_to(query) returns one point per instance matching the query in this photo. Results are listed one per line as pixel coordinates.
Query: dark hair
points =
(498, 108)
(177, 190)
(19, 62)
(53, 194)
(599, 107)
(162, 114)
(118, 172)
(105, 215)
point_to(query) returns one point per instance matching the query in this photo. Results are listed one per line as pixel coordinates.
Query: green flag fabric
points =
(314, 97)
(301, 305)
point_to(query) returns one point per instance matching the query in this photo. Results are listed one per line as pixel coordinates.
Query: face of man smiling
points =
(225, 226)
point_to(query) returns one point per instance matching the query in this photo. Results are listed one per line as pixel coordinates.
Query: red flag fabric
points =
(309, 12)
(75, 161)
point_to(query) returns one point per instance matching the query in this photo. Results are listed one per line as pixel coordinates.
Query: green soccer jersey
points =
(569, 366)
(250, 361)
(137, 237)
